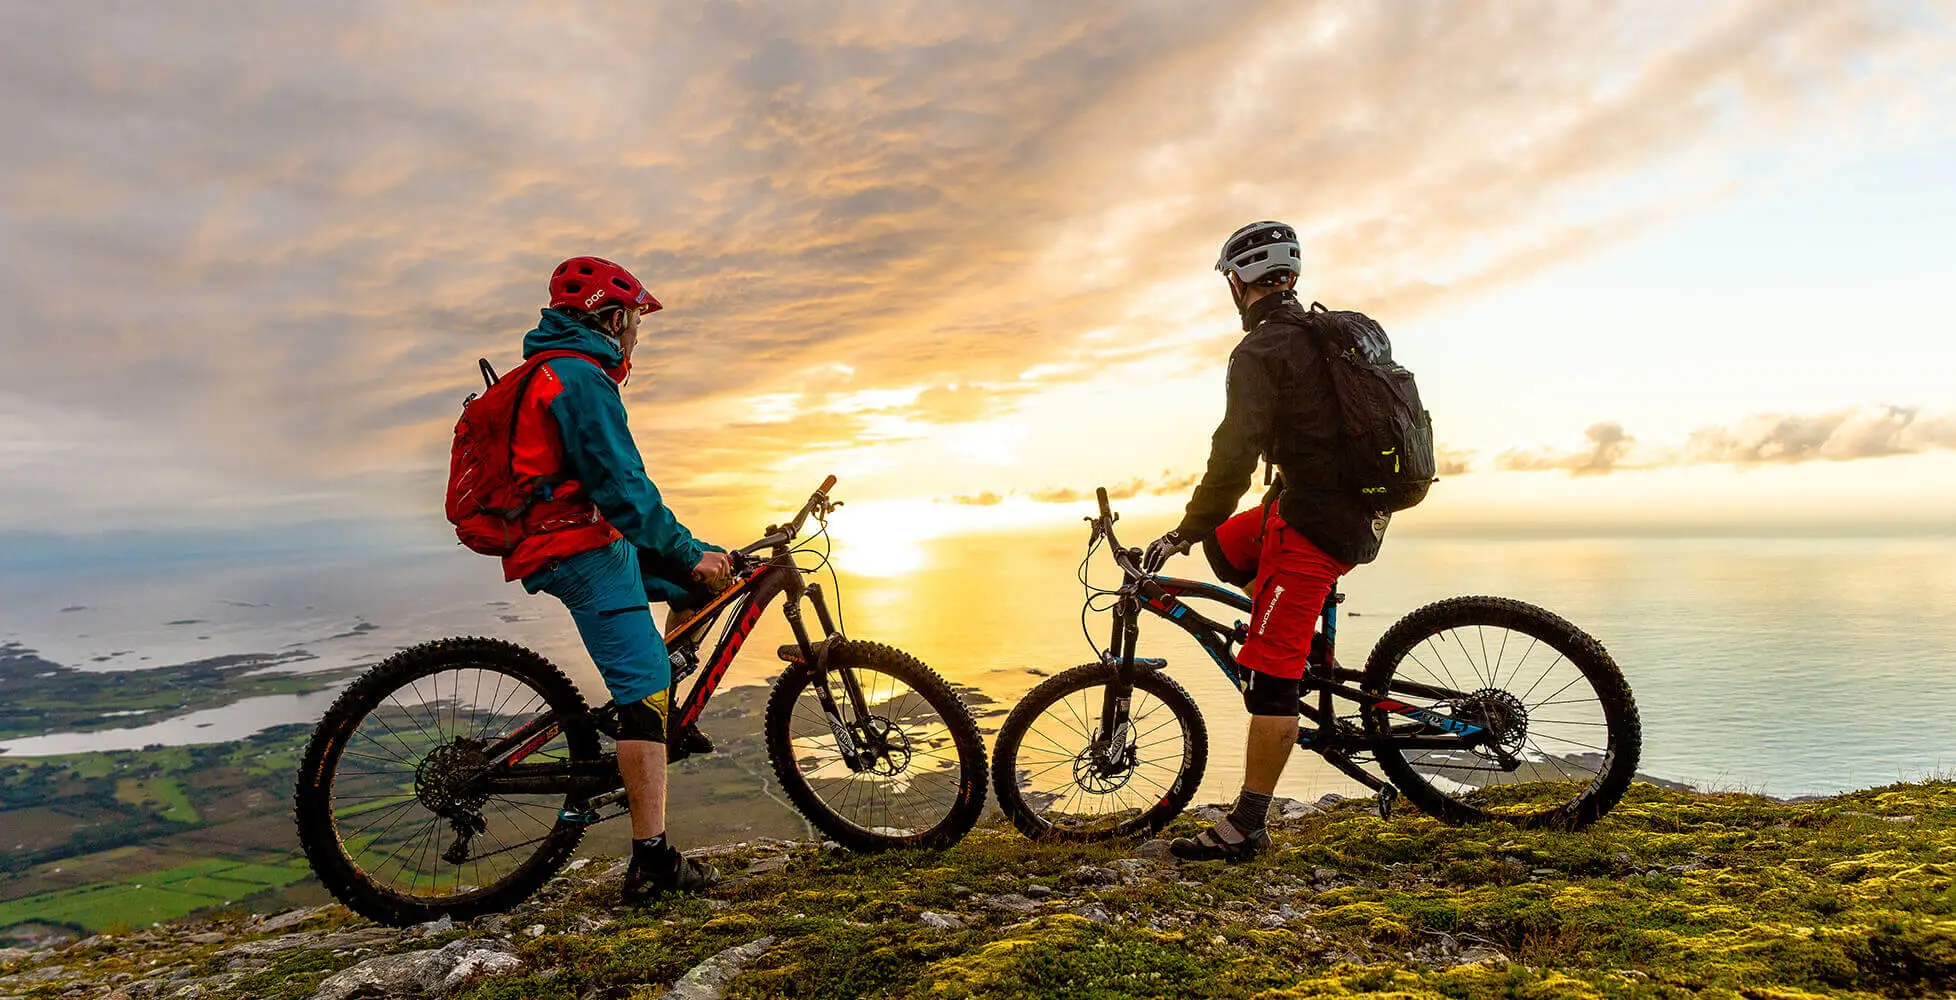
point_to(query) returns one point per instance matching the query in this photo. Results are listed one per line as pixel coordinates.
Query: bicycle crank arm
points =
(592, 811)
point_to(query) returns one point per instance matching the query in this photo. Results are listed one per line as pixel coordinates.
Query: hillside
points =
(1675, 894)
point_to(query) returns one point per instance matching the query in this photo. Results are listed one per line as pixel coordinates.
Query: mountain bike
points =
(1475, 708)
(456, 777)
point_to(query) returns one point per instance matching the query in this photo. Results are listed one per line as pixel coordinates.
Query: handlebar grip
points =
(827, 485)
(1101, 493)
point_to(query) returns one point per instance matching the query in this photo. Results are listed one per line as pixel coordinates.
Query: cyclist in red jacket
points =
(619, 548)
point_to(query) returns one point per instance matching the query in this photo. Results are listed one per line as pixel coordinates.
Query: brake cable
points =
(1093, 593)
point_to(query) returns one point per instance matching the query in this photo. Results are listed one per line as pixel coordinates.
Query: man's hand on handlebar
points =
(715, 570)
(1159, 550)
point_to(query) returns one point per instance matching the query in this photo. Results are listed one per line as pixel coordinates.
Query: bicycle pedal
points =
(1387, 796)
(691, 743)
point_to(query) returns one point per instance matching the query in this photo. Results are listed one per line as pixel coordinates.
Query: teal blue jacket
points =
(600, 453)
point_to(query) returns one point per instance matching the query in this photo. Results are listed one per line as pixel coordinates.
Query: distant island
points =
(38, 697)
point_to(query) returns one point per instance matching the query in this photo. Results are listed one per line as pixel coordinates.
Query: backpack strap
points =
(528, 370)
(1326, 332)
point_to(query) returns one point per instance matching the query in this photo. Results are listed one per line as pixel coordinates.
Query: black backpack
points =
(1385, 436)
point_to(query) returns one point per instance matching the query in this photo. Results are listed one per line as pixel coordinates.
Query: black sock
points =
(650, 848)
(1251, 808)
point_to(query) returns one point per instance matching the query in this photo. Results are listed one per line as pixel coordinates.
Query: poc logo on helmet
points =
(596, 297)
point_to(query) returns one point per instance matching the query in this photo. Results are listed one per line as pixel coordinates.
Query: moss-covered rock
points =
(1675, 894)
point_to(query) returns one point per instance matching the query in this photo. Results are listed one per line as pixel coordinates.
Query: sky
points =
(1654, 263)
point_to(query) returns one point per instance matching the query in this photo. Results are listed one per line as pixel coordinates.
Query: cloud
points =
(1452, 462)
(1837, 436)
(1057, 494)
(1608, 445)
(1843, 435)
(278, 241)
(1166, 483)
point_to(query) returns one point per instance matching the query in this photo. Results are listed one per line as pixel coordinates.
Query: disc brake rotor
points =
(884, 748)
(1100, 771)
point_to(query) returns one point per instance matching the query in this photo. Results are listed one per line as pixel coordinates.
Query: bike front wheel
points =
(906, 771)
(1558, 735)
(390, 809)
(1058, 779)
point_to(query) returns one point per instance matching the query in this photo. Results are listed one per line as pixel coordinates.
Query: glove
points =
(1159, 550)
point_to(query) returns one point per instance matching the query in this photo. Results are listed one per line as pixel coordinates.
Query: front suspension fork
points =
(848, 738)
(1118, 694)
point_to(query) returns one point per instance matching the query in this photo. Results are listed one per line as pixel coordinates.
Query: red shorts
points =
(1293, 577)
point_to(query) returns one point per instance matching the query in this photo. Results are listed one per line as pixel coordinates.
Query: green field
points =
(165, 794)
(162, 895)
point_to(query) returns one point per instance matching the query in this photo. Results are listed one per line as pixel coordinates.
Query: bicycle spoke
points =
(1545, 672)
(1500, 655)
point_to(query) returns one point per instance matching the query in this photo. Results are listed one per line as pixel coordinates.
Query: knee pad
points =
(646, 718)
(1264, 694)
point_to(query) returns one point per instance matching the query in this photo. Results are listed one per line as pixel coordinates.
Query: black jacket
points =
(1280, 406)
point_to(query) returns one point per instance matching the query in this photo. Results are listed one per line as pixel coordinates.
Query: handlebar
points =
(819, 498)
(778, 536)
(1128, 561)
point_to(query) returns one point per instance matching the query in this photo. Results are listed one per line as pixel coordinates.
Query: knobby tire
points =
(1589, 657)
(313, 791)
(969, 802)
(1084, 677)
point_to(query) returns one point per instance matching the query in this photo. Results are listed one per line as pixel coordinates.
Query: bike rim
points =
(400, 797)
(1078, 787)
(1545, 714)
(909, 782)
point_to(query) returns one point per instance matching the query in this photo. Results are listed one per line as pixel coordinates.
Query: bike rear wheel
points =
(1057, 781)
(917, 778)
(386, 808)
(1562, 733)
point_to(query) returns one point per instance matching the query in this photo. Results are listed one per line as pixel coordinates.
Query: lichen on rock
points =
(1675, 893)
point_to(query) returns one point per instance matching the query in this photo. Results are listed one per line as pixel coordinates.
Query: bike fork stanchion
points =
(1116, 696)
(817, 660)
(821, 606)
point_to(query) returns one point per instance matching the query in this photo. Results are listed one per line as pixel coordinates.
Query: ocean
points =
(1786, 666)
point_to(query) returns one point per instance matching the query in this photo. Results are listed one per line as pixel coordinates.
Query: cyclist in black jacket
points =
(1291, 549)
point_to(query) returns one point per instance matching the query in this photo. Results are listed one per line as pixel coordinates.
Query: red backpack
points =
(486, 503)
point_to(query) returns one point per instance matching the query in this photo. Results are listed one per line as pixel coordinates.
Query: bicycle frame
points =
(1144, 589)
(757, 583)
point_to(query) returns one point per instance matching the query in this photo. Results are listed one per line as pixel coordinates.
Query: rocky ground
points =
(1675, 894)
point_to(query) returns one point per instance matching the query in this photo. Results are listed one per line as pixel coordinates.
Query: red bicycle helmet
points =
(592, 283)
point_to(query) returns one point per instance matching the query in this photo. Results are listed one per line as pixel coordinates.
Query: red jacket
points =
(573, 524)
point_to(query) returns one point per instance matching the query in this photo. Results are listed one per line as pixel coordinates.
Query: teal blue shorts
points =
(606, 597)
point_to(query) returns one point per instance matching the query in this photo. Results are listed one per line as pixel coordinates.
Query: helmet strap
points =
(1236, 290)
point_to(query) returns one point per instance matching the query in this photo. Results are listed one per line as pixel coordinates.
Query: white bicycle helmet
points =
(1261, 251)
